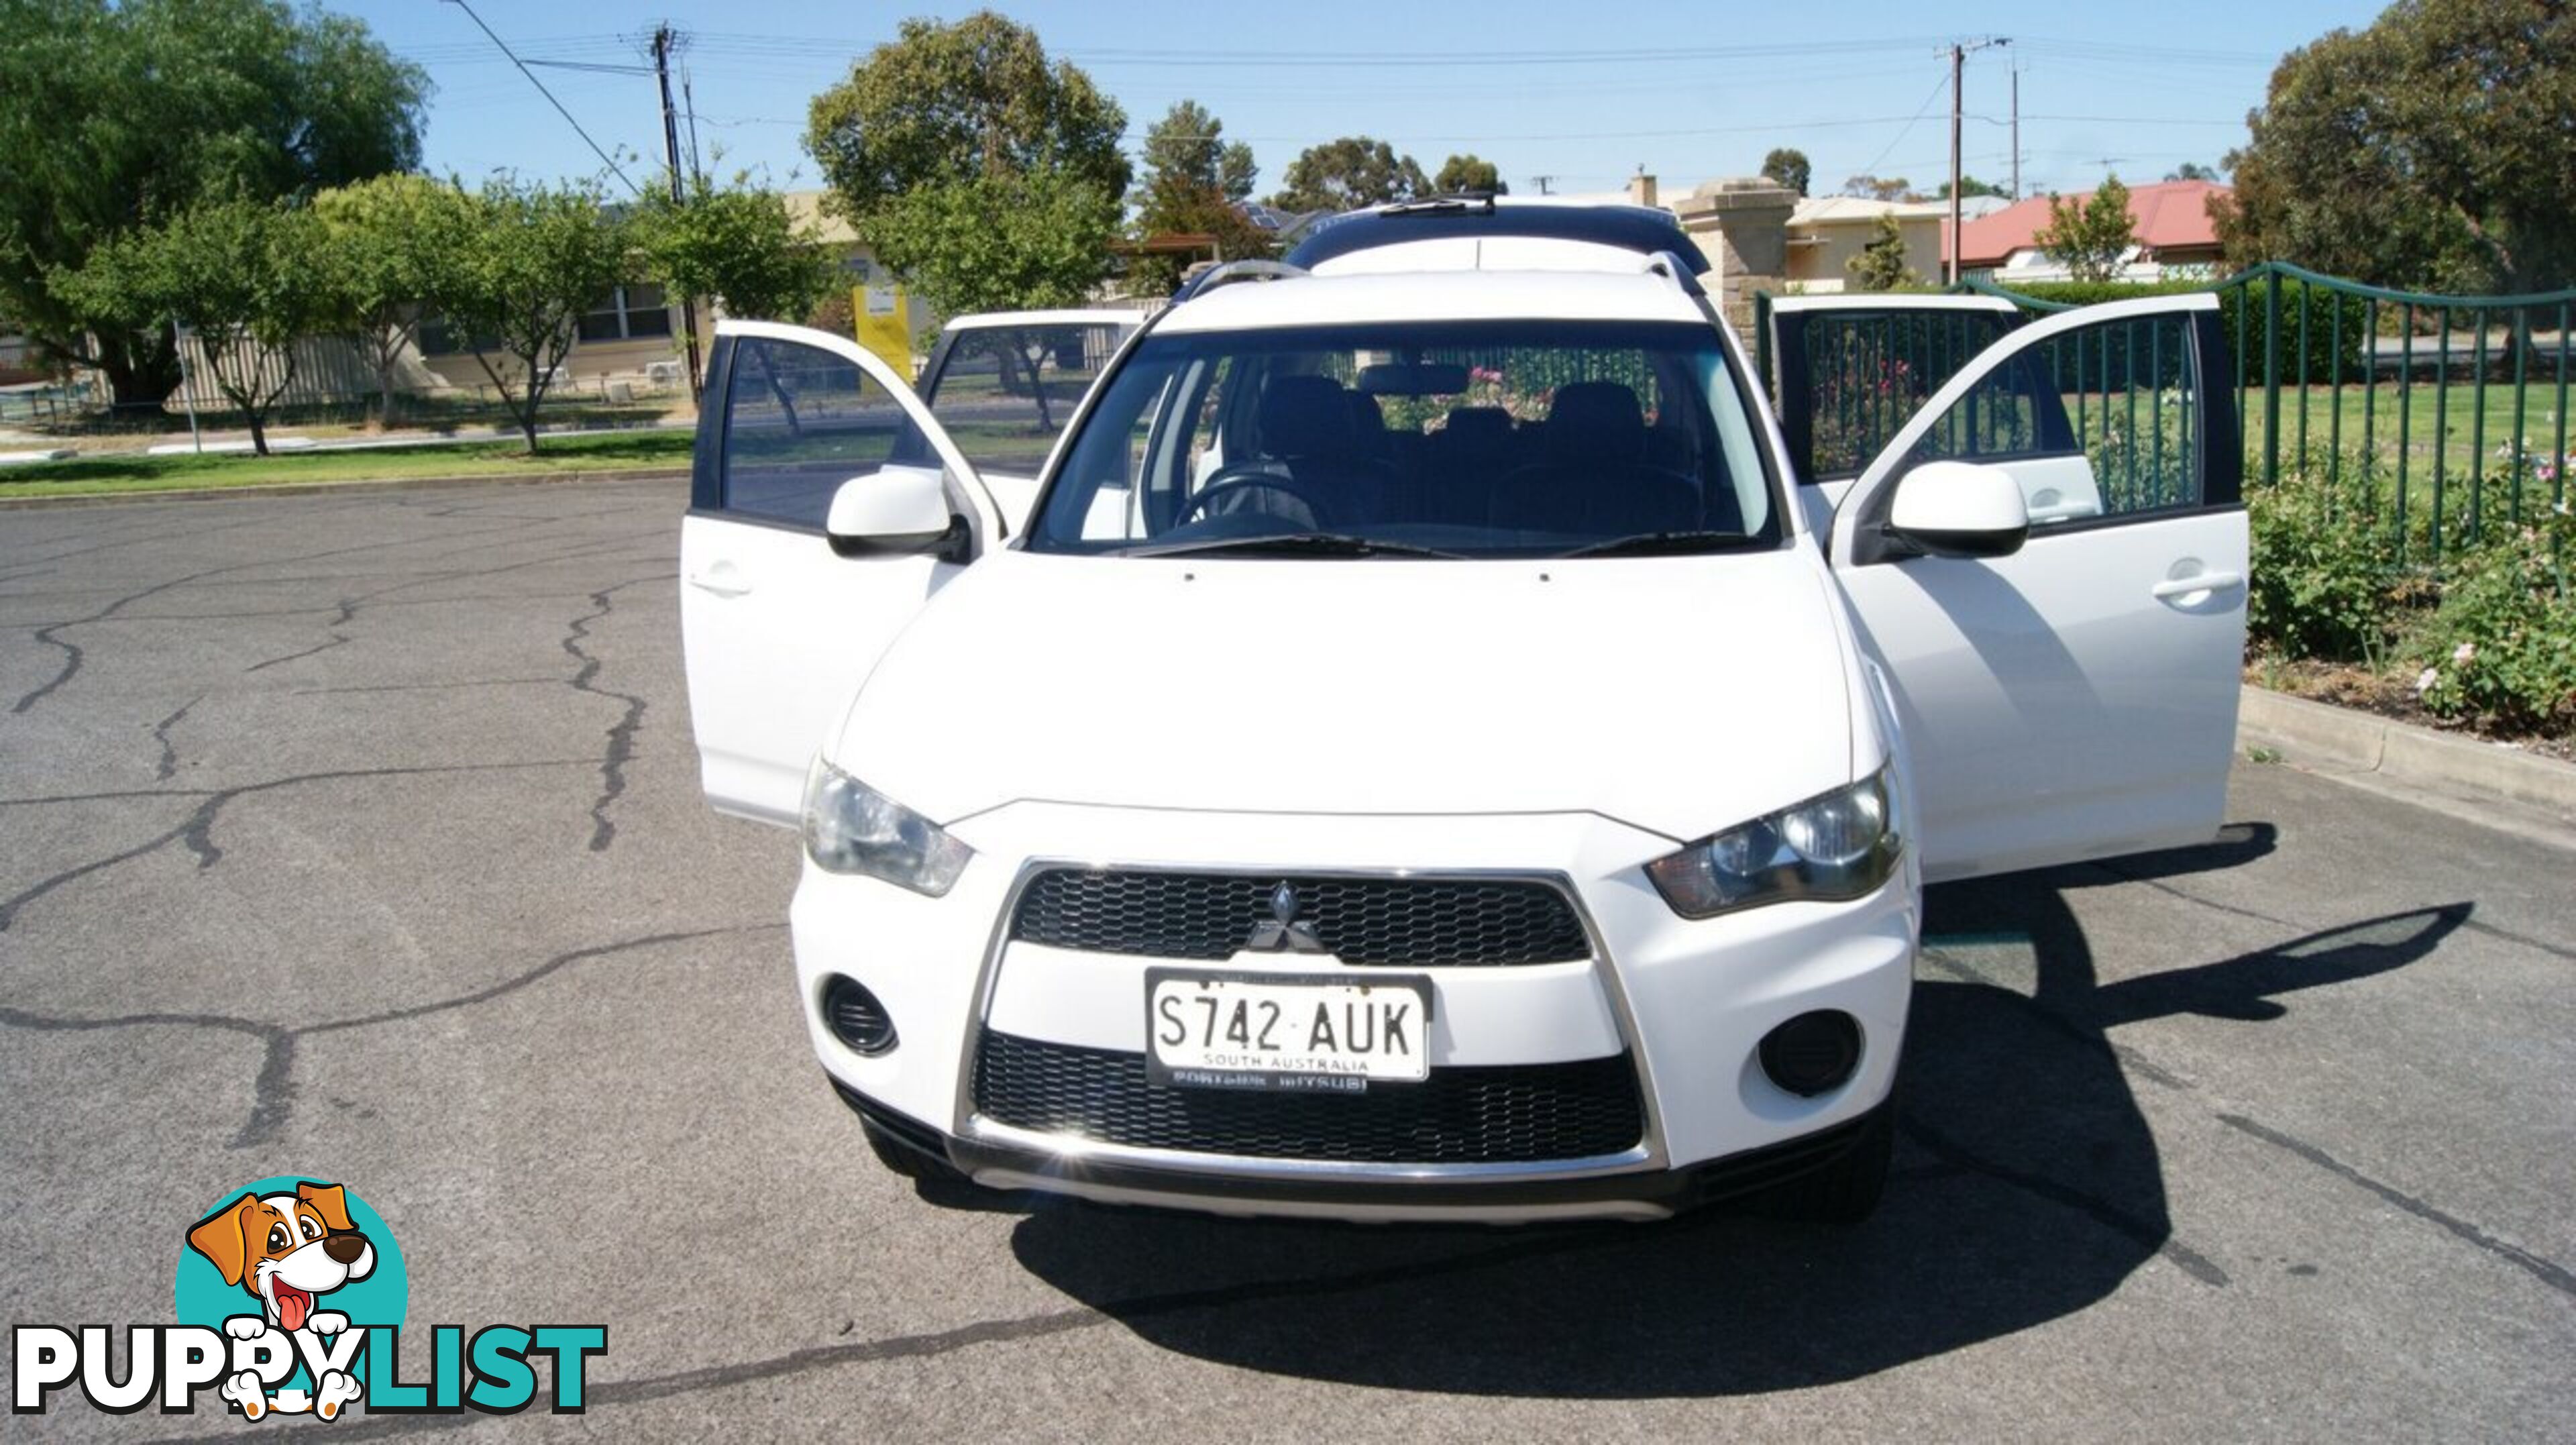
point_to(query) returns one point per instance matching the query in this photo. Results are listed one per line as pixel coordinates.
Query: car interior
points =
(1340, 442)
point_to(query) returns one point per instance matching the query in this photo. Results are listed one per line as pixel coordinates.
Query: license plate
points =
(1290, 1032)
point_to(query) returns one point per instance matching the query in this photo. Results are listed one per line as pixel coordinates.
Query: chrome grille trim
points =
(1650, 1153)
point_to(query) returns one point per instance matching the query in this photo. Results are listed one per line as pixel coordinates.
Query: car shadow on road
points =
(2027, 1187)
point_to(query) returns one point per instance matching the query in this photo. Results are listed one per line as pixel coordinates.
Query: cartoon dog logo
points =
(287, 1251)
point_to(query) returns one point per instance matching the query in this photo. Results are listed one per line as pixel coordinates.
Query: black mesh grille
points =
(1516, 1113)
(1413, 922)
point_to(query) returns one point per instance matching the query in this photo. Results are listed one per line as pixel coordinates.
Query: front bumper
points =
(1639, 1195)
(1684, 1004)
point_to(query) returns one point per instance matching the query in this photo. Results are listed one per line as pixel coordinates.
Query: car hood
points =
(1681, 695)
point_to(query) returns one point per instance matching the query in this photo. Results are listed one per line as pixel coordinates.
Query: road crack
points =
(273, 1089)
(198, 830)
(169, 764)
(620, 749)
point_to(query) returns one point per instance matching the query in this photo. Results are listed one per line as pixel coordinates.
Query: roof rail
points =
(1231, 272)
(1674, 269)
(1450, 202)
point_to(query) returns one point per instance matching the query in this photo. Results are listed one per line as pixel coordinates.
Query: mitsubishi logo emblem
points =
(1284, 933)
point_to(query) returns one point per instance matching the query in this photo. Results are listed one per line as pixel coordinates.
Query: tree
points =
(1194, 185)
(1969, 186)
(1190, 143)
(114, 117)
(387, 244)
(984, 175)
(1469, 174)
(247, 276)
(998, 244)
(1880, 266)
(534, 259)
(1789, 167)
(2432, 149)
(1348, 174)
(2089, 235)
(738, 244)
(1881, 188)
(2193, 171)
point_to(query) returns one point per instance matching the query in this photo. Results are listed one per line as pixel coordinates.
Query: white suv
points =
(1436, 748)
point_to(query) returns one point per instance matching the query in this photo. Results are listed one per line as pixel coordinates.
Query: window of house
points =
(627, 313)
(441, 337)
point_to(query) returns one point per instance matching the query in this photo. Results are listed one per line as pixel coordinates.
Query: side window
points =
(2099, 421)
(800, 421)
(1851, 379)
(1004, 393)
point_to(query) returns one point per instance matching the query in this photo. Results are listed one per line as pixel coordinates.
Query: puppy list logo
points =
(290, 1299)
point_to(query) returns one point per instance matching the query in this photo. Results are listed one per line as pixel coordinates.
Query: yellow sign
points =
(877, 323)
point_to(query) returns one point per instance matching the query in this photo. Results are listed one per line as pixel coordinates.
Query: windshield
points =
(1455, 439)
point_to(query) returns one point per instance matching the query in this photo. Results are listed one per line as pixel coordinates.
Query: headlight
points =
(852, 828)
(1840, 845)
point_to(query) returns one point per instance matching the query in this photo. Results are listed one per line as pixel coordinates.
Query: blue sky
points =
(1582, 93)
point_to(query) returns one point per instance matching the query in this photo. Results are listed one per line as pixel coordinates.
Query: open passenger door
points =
(1847, 370)
(777, 625)
(1006, 384)
(2075, 698)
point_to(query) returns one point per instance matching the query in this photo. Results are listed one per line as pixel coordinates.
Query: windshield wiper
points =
(1663, 544)
(1291, 544)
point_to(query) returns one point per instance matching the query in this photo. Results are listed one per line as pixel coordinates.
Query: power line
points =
(1899, 138)
(595, 148)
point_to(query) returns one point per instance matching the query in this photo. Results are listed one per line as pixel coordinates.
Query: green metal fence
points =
(2445, 415)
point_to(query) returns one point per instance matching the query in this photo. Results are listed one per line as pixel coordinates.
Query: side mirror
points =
(900, 511)
(1958, 509)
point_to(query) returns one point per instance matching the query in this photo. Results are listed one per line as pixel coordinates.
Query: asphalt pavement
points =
(358, 837)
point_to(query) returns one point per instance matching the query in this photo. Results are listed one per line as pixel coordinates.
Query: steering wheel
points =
(1244, 479)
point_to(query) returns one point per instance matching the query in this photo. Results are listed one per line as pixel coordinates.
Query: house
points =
(2170, 219)
(1827, 233)
(627, 345)
(633, 335)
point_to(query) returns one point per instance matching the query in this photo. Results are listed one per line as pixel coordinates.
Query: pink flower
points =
(2464, 652)
(2424, 680)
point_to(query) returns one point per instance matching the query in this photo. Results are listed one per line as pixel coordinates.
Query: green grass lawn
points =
(185, 471)
(2451, 430)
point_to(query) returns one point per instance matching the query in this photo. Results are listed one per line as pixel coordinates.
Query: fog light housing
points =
(1812, 1053)
(856, 1018)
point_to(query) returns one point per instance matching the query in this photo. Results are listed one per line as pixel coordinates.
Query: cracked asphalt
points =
(358, 837)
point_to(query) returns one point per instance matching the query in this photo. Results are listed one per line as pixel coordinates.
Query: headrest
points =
(1305, 416)
(1596, 421)
(1478, 425)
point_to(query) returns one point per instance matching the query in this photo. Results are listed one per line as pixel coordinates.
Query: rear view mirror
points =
(1413, 378)
(1958, 509)
(899, 511)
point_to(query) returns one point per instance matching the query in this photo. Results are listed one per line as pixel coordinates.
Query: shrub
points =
(2501, 648)
(2322, 567)
(2321, 308)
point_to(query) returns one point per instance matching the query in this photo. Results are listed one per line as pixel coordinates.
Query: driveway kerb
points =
(389, 484)
(2414, 762)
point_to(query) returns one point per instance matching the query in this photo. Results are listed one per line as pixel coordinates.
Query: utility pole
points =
(689, 99)
(1542, 183)
(1958, 63)
(664, 38)
(2016, 130)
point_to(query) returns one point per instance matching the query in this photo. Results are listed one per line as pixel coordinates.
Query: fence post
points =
(2271, 377)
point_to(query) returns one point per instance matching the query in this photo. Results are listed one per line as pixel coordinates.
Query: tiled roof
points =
(2168, 215)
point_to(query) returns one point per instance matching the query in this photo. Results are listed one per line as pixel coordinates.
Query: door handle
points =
(721, 585)
(2197, 582)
